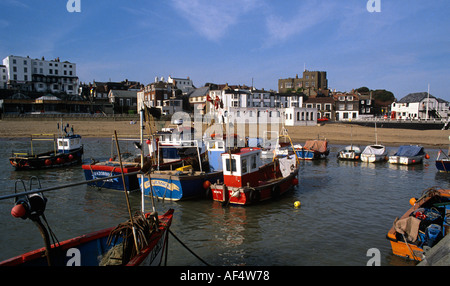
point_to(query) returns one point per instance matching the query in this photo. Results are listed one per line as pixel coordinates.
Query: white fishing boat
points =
(374, 153)
(408, 154)
(350, 152)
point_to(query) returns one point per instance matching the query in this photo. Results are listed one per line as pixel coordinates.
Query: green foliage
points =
(378, 94)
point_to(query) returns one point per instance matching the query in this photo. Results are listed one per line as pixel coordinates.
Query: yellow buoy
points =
(412, 201)
(297, 204)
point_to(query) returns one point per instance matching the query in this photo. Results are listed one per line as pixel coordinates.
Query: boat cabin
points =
(68, 143)
(214, 149)
(245, 168)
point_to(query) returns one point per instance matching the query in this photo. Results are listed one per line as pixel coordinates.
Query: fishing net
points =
(122, 238)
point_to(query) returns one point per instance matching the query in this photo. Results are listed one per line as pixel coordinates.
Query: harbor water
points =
(346, 210)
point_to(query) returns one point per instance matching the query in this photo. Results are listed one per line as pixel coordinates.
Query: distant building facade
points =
(347, 106)
(415, 106)
(54, 76)
(3, 77)
(161, 95)
(311, 81)
(184, 84)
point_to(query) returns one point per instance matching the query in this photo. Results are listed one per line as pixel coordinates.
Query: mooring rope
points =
(199, 258)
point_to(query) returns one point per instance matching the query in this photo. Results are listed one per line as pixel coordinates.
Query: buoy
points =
(206, 184)
(48, 162)
(18, 211)
(295, 181)
(70, 157)
(412, 201)
(297, 204)
(427, 156)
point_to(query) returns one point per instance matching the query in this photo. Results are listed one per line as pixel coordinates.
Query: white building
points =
(415, 106)
(247, 105)
(3, 77)
(184, 84)
(41, 75)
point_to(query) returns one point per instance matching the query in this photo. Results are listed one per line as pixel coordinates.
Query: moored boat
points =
(67, 151)
(350, 152)
(422, 226)
(178, 185)
(141, 240)
(187, 182)
(374, 153)
(408, 154)
(313, 150)
(246, 180)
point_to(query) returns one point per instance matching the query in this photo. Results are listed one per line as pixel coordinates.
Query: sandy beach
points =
(335, 133)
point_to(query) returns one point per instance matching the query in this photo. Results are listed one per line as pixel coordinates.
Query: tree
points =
(379, 94)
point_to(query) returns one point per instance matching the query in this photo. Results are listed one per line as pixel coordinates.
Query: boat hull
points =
(97, 171)
(401, 244)
(176, 185)
(251, 195)
(371, 158)
(87, 250)
(47, 160)
(349, 155)
(443, 165)
(405, 160)
(304, 154)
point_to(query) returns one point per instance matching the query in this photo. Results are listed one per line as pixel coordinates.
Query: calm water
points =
(346, 209)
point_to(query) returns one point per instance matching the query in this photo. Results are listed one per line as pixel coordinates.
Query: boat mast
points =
(428, 100)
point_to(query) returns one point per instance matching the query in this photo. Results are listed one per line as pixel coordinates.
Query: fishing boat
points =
(246, 180)
(422, 226)
(131, 163)
(142, 240)
(408, 154)
(67, 151)
(187, 182)
(313, 150)
(350, 152)
(374, 153)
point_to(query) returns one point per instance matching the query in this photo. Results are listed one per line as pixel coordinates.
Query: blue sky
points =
(403, 48)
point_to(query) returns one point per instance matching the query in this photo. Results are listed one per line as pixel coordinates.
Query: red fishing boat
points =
(247, 180)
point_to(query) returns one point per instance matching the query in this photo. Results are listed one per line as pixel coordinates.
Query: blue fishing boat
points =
(313, 150)
(178, 185)
(187, 182)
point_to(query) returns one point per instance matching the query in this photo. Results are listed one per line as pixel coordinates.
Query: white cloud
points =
(213, 18)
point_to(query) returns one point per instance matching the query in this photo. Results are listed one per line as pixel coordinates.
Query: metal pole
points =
(126, 193)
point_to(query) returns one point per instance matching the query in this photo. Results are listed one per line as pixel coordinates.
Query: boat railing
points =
(38, 137)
